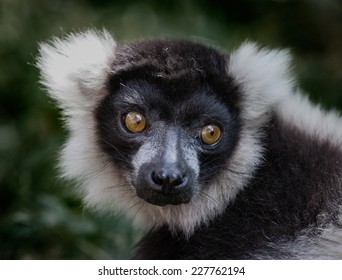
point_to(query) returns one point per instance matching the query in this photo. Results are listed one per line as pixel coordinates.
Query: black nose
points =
(169, 179)
(165, 183)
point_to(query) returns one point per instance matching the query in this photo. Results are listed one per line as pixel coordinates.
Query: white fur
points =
(264, 77)
(313, 120)
(74, 71)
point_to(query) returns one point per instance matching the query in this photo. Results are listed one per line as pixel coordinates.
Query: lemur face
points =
(168, 125)
(166, 131)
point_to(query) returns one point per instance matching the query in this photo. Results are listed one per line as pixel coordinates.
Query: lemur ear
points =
(264, 77)
(74, 69)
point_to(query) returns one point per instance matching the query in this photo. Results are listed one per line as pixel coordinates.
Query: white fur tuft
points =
(264, 77)
(313, 120)
(74, 69)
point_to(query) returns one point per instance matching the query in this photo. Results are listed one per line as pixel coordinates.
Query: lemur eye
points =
(210, 134)
(135, 122)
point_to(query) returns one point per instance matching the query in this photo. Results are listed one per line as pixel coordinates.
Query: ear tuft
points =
(264, 77)
(74, 69)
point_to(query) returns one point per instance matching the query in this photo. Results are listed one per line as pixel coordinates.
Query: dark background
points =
(40, 217)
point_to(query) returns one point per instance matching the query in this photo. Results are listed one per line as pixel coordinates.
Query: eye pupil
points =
(135, 122)
(210, 134)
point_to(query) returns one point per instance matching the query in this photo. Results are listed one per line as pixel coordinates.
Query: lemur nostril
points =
(159, 178)
(176, 179)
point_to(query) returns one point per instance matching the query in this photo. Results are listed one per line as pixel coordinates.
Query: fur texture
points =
(270, 189)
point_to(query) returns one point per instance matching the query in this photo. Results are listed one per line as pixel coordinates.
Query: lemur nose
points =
(169, 179)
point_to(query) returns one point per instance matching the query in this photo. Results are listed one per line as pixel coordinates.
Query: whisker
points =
(206, 195)
(124, 157)
(224, 167)
(138, 210)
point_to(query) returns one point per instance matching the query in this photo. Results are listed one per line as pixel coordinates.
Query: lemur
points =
(220, 154)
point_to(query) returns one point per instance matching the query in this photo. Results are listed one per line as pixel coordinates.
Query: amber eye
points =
(210, 134)
(135, 122)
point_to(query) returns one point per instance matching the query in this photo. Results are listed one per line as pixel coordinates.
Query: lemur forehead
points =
(176, 103)
(169, 59)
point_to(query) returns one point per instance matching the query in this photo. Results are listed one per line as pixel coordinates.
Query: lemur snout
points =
(165, 182)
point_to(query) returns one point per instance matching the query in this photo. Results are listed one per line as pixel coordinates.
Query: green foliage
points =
(40, 217)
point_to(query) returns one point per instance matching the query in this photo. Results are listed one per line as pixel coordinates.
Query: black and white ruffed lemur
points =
(219, 154)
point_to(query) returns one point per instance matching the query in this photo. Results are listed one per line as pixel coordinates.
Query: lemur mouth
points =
(161, 199)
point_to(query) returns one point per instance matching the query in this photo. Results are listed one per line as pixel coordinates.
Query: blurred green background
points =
(40, 217)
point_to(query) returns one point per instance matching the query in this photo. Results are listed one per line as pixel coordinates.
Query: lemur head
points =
(167, 131)
(170, 120)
